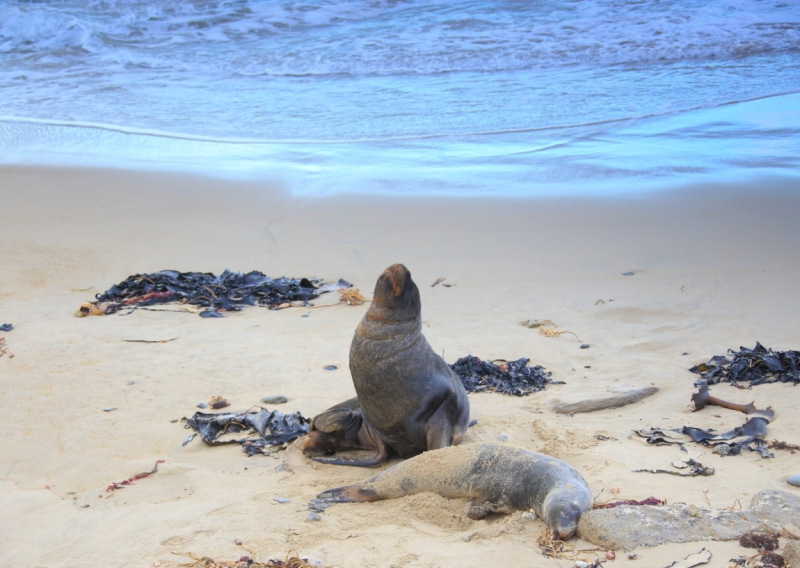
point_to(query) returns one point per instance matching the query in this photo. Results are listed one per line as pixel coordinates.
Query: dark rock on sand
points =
(794, 480)
(627, 527)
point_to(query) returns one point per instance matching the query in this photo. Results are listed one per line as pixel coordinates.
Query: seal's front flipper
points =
(478, 509)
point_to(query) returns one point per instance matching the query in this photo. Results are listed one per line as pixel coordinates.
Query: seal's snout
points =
(396, 275)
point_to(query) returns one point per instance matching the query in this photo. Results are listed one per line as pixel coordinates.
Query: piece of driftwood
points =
(592, 404)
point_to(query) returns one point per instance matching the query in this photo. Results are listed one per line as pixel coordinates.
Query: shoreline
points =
(715, 267)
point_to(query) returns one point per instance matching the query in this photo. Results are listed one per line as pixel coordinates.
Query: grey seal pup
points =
(497, 478)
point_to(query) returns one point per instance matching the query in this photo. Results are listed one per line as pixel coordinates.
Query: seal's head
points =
(396, 292)
(563, 519)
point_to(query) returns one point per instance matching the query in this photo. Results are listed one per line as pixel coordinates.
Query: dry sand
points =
(714, 268)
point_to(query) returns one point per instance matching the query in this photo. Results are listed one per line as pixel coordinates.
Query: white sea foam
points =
(261, 73)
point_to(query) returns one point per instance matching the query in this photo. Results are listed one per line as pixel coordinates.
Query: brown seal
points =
(410, 399)
(497, 478)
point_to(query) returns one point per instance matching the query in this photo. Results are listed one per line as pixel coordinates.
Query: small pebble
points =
(129, 383)
(313, 517)
(627, 273)
(466, 537)
(721, 449)
(502, 438)
(304, 316)
(529, 516)
(277, 399)
(237, 541)
(632, 556)
(330, 368)
(584, 346)
(472, 422)
(281, 499)
(109, 408)
(202, 405)
(581, 564)
(684, 353)
(794, 480)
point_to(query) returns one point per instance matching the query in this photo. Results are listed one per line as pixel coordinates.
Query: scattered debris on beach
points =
(552, 547)
(229, 291)
(757, 366)
(263, 429)
(749, 436)
(763, 542)
(246, 561)
(702, 398)
(533, 324)
(695, 469)
(351, 296)
(703, 556)
(4, 348)
(130, 481)
(648, 501)
(6, 327)
(509, 377)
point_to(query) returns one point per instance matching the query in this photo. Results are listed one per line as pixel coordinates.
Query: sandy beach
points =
(715, 267)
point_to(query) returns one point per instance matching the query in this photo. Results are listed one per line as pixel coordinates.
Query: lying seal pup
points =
(410, 399)
(498, 478)
(342, 427)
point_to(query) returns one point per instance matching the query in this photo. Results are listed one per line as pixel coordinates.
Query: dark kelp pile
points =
(510, 377)
(749, 436)
(756, 366)
(228, 291)
(262, 428)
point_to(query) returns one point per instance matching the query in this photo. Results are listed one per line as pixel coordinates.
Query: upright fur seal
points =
(409, 397)
(498, 478)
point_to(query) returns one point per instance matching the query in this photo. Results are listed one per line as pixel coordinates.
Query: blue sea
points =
(514, 97)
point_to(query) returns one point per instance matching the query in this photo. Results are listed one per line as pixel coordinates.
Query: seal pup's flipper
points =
(382, 452)
(342, 427)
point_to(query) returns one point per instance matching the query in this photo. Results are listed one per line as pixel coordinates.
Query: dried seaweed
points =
(121, 484)
(749, 436)
(228, 291)
(245, 562)
(510, 377)
(762, 542)
(756, 366)
(4, 348)
(695, 469)
(262, 428)
(648, 501)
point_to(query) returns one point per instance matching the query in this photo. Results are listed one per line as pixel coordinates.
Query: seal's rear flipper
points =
(347, 494)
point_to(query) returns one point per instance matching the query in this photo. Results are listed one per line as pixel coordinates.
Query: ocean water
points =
(517, 97)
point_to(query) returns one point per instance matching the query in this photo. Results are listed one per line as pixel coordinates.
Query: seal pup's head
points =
(562, 513)
(396, 292)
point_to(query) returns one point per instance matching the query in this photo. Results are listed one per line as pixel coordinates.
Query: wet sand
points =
(714, 268)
